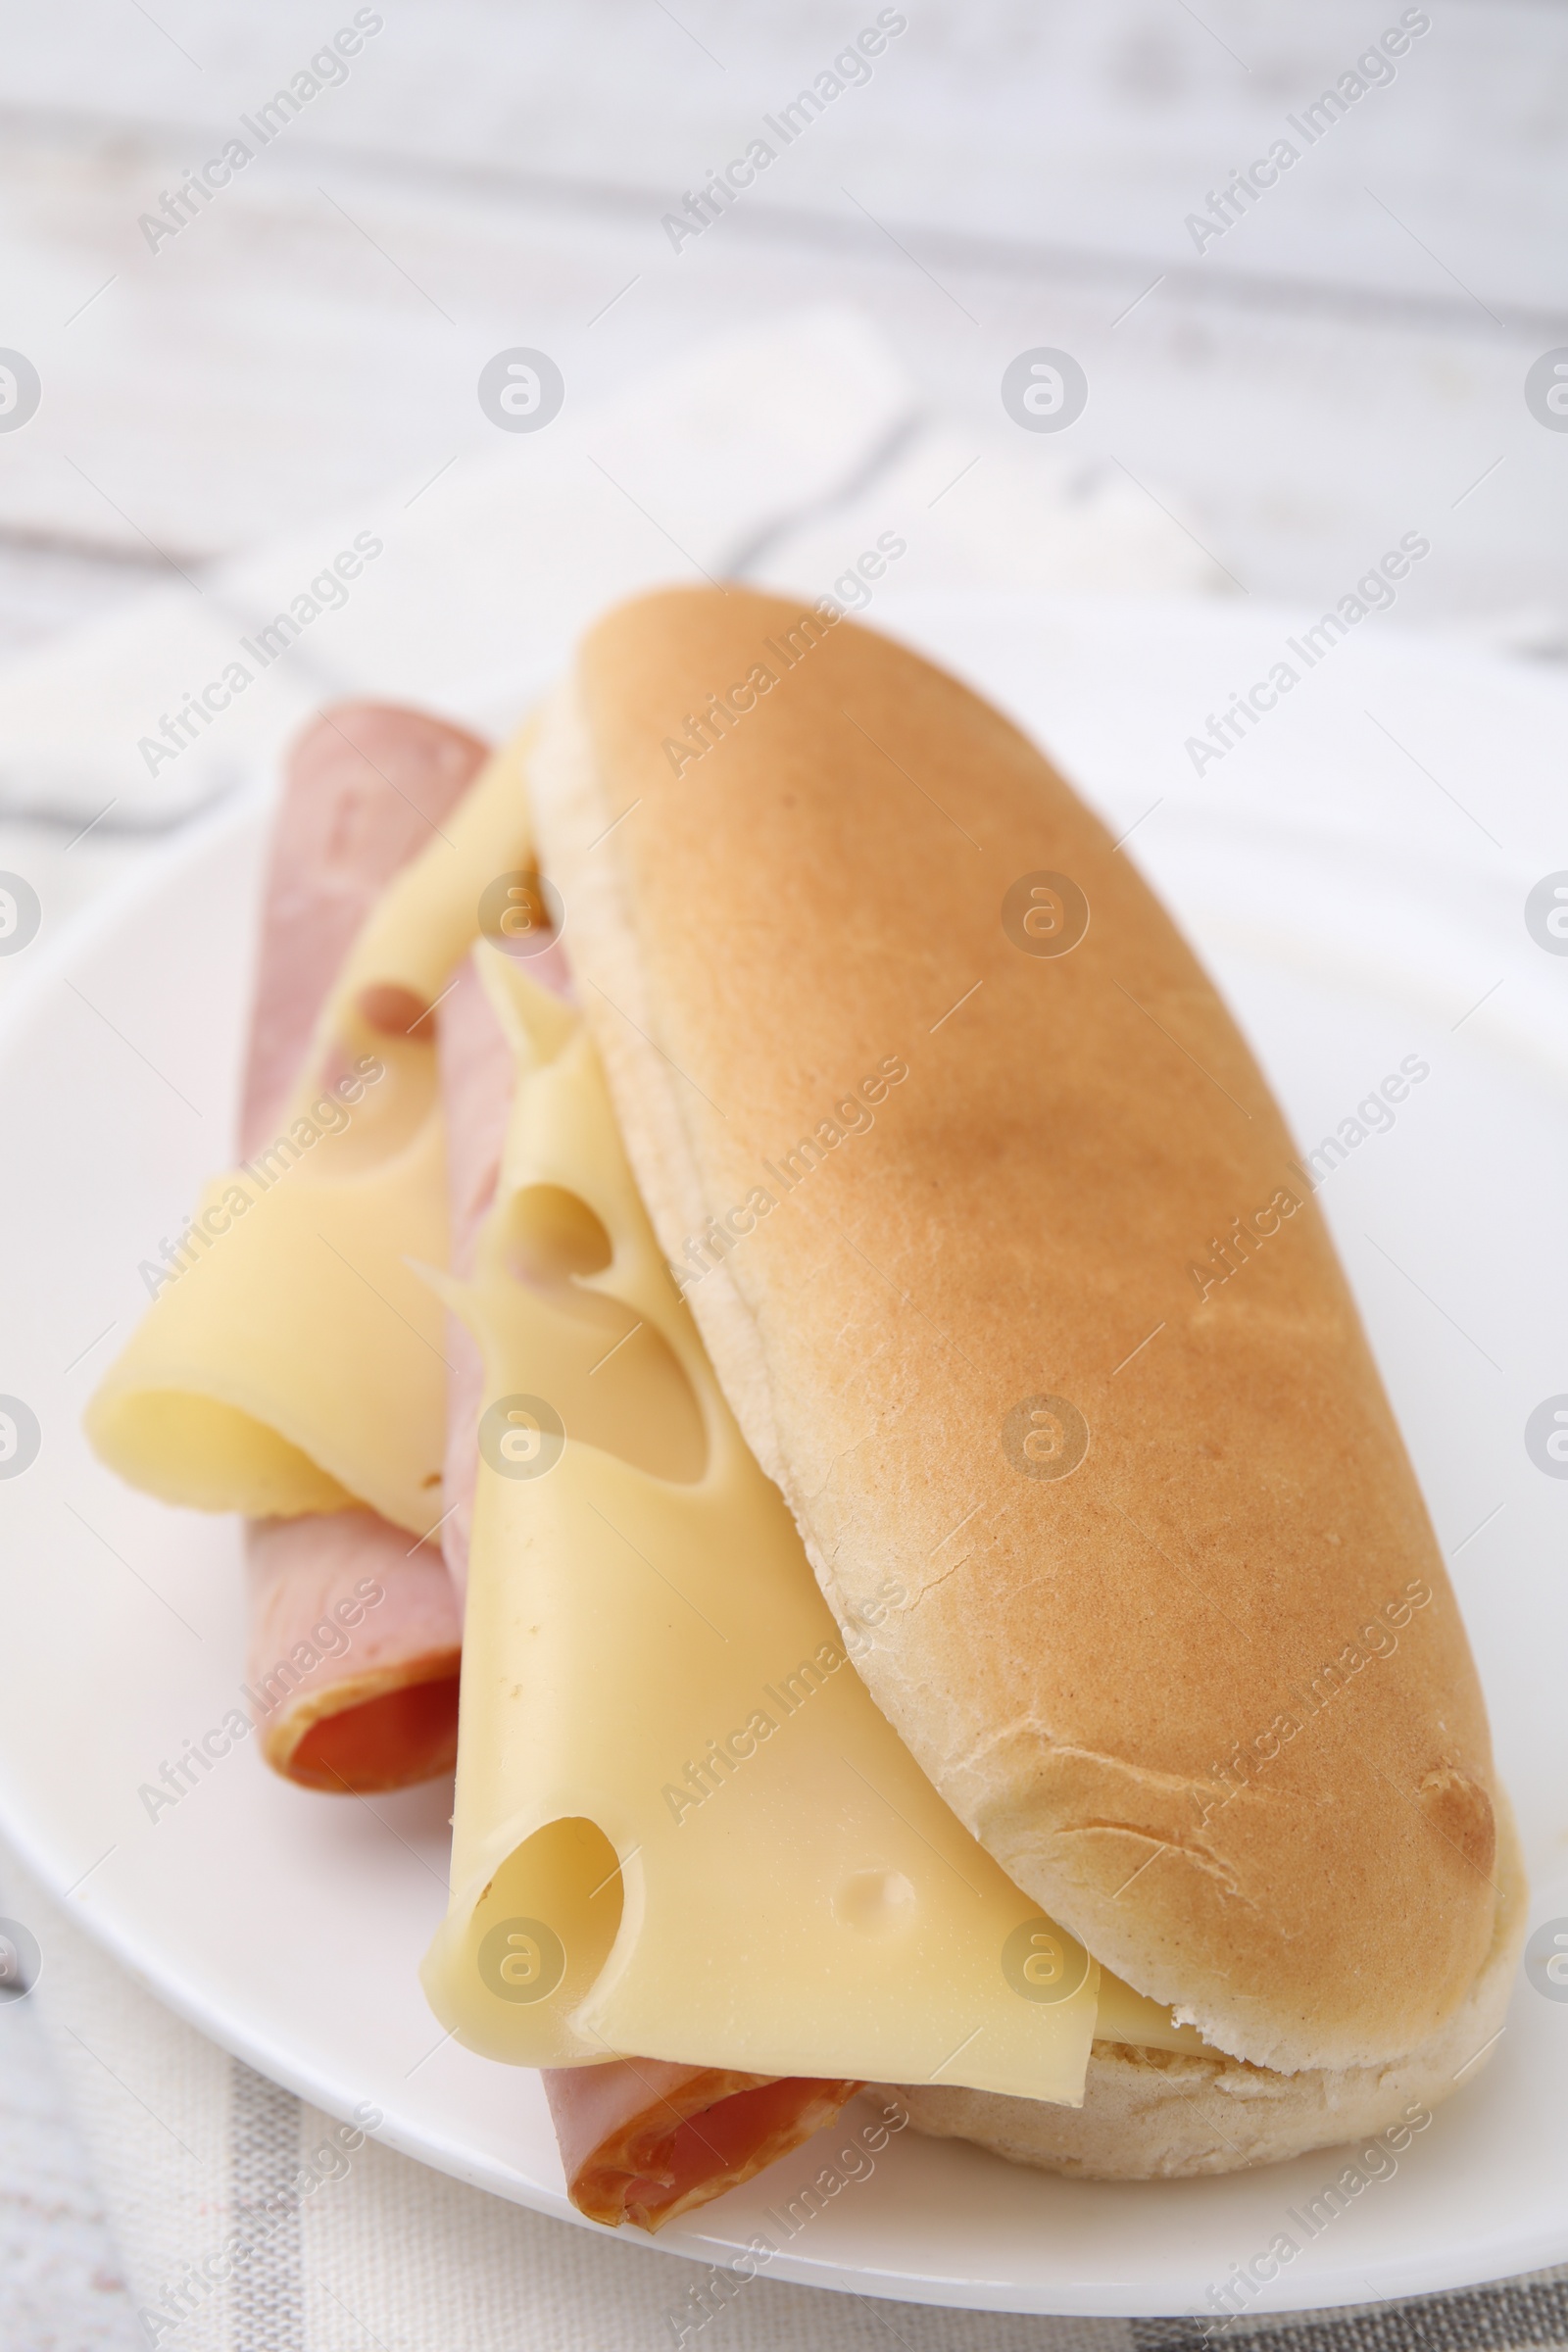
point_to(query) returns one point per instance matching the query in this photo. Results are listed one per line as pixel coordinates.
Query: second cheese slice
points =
(683, 1829)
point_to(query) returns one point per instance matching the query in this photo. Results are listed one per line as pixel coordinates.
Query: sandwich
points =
(945, 1603)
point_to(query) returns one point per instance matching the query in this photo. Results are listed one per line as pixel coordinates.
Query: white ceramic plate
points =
(1356, 882)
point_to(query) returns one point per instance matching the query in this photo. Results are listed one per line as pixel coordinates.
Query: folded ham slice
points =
(371, 1704)
(643, 2141)
(353, 1651)
(364, 789)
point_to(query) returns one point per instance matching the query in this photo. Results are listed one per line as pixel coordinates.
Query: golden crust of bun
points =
(1186, 1689)
(1151, 2114)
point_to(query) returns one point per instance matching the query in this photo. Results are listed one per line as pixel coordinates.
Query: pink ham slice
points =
(641, 2140)
(364, 789)
(372, 1704)
(353, 1652)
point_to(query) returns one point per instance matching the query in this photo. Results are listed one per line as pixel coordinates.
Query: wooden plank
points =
(1040, 124)
(489, 175)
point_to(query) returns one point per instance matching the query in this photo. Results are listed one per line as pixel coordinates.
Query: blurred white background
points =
(1343, 365)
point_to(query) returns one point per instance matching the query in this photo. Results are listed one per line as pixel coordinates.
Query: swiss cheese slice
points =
(683, 1829)
(296, 1362)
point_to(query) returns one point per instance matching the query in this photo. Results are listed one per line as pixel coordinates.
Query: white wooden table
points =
(1344, 363)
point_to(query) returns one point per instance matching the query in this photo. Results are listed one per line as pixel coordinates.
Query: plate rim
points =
(112, 910)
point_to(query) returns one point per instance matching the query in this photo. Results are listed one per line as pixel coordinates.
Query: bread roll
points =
(1165, 2115)
(1129, 1543)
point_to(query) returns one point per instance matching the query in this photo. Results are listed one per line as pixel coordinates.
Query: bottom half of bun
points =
(1153, 2114)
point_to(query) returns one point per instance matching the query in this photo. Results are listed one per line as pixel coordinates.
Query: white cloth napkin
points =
(778, 453)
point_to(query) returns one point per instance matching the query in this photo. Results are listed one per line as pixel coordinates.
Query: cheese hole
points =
(614, 1379)
(874, 1900)
(378, 1079)
(542, 1930)
(391, 1009)
(553, 1236)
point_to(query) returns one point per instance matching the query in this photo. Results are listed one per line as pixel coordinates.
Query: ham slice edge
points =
(373, 1705)
(643, 2141)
